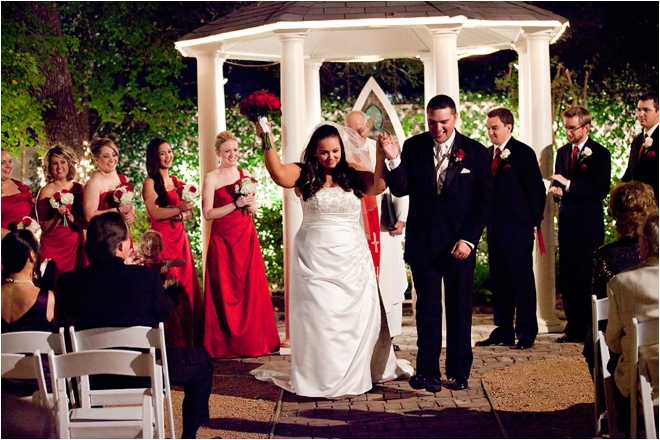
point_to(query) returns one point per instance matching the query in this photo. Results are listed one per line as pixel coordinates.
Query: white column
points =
(524, 103)
(538, 49)
(211, 118)
(445, 60)
(429, 81)
(312, 93)
(292, 85)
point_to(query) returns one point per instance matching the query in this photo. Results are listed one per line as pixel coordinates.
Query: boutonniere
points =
(648, 143)
(458, 157)
(586, 153)
(504, 155)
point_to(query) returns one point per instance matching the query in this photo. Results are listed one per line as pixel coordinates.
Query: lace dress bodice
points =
(332, 200)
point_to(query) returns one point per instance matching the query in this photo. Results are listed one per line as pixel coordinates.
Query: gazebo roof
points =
(347, 31)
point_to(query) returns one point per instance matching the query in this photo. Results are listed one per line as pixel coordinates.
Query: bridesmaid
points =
(98, 194)
(239, 320)
(60, 242)
(17, 200)
(167, 213)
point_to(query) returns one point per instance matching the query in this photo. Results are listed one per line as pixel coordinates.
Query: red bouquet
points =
(258, 106)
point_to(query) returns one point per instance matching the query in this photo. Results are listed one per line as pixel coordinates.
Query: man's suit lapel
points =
(453, 169)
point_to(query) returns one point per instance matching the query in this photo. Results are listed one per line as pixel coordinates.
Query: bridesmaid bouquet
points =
(124, 195)
(245, 187)
(30, 224)
(188, 192)
(64, 197)
(257, 107)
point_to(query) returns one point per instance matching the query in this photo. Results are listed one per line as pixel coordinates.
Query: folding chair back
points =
(109, 422)
(600, 308)
(29, 341)
(644, 334)
(22, 366)
(138, 337)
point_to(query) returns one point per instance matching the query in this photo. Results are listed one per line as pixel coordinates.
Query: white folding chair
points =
(107, 422)
(27, 366)
(139, 337)
(644, 334)
(599, 310)
(29, 341)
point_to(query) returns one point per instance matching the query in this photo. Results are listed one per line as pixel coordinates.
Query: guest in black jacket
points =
(643, 160)
(109, 293)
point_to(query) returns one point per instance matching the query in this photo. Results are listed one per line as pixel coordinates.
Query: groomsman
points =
(581, 182)
(643, 160)
(447, 176)
(518, 203)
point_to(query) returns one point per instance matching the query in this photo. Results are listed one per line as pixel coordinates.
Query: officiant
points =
(388, 220)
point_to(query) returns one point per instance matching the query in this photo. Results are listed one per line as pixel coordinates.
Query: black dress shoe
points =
(459, 384)
(493, 341)
(396, 347)
(567, 338)
(524, 344)
(431, 384)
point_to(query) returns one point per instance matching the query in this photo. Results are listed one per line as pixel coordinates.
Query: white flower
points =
(246, 186)
(505, 154)
(30, 224)
(189, 192)
(586, 152)
(124, 195)
(648, 142)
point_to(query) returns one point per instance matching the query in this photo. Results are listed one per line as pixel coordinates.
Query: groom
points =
(447, 176)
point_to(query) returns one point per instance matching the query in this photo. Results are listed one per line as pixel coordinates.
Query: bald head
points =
(357, 120)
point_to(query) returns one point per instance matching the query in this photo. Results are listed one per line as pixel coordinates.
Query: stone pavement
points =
(394, 409)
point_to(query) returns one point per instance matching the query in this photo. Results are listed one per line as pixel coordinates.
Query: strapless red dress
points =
(64, 244)
(239, 318)
(17, 206)
(186, 326)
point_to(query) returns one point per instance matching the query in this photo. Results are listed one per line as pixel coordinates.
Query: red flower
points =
(27, 221)
(119, 193)
(260, 103)
(58, 196)
(460, 154)
(192, 188)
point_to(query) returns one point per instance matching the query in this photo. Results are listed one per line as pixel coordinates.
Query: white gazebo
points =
(302, 35)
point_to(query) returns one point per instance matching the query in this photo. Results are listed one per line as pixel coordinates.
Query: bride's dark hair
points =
(312, 174)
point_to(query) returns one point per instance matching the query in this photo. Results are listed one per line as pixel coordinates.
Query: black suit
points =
(518, 204)
(644, 169)
(119, 295)
(435, 224)
(581, 230)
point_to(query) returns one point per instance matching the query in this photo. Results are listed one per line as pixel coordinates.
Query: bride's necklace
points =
(13, 281)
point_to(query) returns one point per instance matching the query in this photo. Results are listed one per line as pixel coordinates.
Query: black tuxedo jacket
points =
(646, 169)
(437, 222)
(518, 190)
(590, 183)
(114, 295)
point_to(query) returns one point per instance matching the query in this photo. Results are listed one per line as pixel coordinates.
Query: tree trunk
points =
(63, 124)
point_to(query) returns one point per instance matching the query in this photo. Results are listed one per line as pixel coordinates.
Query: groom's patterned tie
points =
(442, 161)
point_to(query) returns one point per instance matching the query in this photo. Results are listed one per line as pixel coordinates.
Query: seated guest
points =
(630, 204)
(109, 293)
(633, 294)
(25, 306)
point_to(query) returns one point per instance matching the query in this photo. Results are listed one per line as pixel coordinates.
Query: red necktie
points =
(641, 148)
(574, 159)
(496, 161)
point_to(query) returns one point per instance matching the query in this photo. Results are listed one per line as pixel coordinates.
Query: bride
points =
(340, 344)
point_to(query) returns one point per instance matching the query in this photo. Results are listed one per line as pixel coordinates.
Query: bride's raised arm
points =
(376, 183)
(284, 175)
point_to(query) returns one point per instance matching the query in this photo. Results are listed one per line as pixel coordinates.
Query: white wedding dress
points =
(340, 345)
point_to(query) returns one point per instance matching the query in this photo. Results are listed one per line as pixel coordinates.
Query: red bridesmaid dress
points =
(185, 327)
(64, 244)
(17, 206)
(239, 319)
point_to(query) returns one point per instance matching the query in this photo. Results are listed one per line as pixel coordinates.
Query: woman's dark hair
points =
(16, 248)
(153, 170)
(104, 234)
(312, 175)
